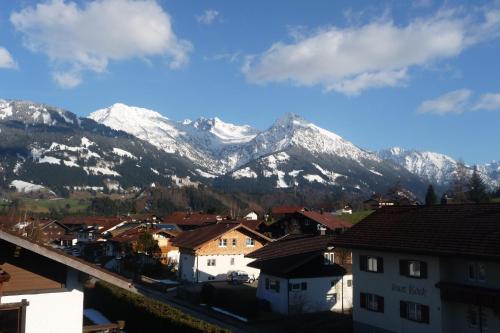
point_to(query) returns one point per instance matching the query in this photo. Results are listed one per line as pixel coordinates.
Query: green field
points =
(44, 205)
(355, 217)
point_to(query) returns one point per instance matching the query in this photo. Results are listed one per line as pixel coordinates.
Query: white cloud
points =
(87, 38)
(6, 60)
(376, 54)
(488, 102)
(208, 17)
(453, 102)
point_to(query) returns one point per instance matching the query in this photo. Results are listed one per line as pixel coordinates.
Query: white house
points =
(40, 288)
(303, 274)
(211, 252)
(427, 269)
(252, 216)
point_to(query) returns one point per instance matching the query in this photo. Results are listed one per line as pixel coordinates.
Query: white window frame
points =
(223, 242)
(414, 268)
(329, 258)
(371, 302)
(414, 311)
(478, 271)
(372, 264)
(250, 242)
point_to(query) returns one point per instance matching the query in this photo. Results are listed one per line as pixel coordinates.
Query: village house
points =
(209, 253)
(251, 216)
(41, 288)
(303, 274)
(306, 222)
(426, 269)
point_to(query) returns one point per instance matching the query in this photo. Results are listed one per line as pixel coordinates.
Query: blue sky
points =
(421, 74)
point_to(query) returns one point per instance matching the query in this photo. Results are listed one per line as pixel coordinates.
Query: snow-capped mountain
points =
(49, 147)
(202, 141)
(437, 168)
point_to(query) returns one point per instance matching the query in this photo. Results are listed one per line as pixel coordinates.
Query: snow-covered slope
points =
(201, 140)
(34, 113)
(437, 168)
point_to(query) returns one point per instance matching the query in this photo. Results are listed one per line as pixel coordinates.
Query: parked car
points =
(239, 277)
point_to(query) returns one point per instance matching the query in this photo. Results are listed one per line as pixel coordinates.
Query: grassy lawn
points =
(355, 217)
(143, 314)
(43, 205)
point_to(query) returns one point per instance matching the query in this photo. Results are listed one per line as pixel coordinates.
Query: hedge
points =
(143, 314)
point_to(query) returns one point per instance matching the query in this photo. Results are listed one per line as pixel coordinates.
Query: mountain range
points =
(123, 147)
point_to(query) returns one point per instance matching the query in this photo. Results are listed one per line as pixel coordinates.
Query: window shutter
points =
(403, 267)
(423, 270)
(267, 283)
(362, 300)
(363, 263)
(380, 304)
(403, 309)
(425, 313)
(380, 265)
(303, 286)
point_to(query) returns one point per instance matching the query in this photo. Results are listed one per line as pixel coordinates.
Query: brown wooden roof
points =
(188, 218)
(287, 209)
(455, 230)
(194, 239)
(327, 219)
(293, 245)
(66, 259)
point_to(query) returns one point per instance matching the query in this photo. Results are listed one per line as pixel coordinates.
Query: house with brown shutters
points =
(304, 274)
(209, 253)
(426, 269)
(41, 288)
(306, 222)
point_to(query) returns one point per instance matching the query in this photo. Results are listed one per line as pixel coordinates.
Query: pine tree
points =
(478, 192)
(430, 196)
(461, 183)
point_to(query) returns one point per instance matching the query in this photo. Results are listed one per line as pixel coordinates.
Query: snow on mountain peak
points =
(226, 133)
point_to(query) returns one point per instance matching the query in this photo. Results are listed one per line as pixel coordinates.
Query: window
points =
(273, 285)
(414, 312)
(211, 278)
(329, 258)
(222, 242)
(231, 262)
(250, 241)
(476, 318)
(477, 272)
(413, 268)
(371, 264)
(13, 317)
(235, 242)
(349, 283)
(332, 298)
(372, 302)
(210, 262)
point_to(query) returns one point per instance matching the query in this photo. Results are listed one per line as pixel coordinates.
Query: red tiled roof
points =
(456, 230)
(327, 219)
(186, 218)
(286, 209)
(195, 238)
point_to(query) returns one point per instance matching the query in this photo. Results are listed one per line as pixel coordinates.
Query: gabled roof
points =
(104, 222)
(456, 230)
(252, 224)
(188, 218)
(194, 239)
(296, 256)
(327, 219)
(292, 245)
(66, 259)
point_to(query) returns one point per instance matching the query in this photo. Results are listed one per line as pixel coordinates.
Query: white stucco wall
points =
(195, 269)
(394, 288)
(319, 295)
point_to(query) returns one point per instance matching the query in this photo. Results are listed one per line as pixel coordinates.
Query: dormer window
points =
(329, 258)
